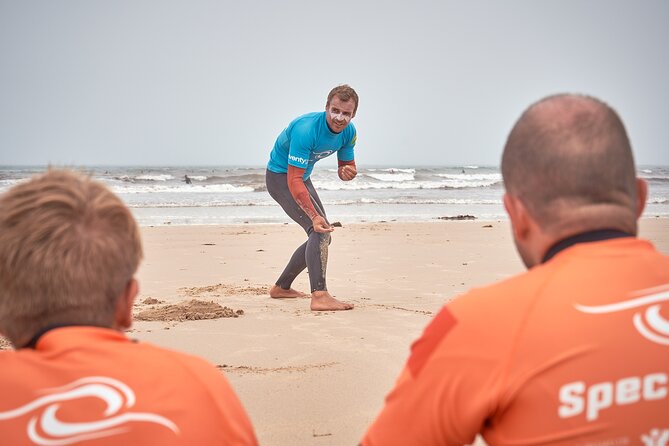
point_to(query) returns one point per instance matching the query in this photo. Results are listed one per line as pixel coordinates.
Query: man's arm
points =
(301, 196)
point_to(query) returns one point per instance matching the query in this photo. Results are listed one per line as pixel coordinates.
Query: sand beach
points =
(315, 378)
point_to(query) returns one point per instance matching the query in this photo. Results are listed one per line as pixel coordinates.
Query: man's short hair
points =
(567, 152)
(68, 248)
(345, 93)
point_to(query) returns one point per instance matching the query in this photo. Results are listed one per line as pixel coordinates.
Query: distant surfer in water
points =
(306, 140)
(187, 179)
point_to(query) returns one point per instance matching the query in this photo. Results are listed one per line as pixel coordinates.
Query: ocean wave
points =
(408, 200)
(391, 176)
(244, 178)
(6, 184)
(191, 188)
(393, 170)
(331, 202)
(161, 177)
(497, 177)
(206, 204)
(444, 184)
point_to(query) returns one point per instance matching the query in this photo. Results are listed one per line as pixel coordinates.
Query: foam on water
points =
(220, 195)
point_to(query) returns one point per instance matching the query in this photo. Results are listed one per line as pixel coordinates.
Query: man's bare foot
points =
(323, 301)
(276, 292)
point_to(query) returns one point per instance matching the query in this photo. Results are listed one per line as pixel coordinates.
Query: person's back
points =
(69, 249)
(573, 351)
(547, 357)
(88, 382)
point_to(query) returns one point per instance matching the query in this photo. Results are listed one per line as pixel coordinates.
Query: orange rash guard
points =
(573, 351)
(94, 384)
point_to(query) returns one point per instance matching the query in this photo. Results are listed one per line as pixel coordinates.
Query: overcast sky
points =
(204, 82)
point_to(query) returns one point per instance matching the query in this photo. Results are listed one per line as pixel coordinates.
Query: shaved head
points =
(569, 160)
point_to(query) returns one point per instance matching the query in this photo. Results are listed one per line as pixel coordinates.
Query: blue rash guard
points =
(308, 139)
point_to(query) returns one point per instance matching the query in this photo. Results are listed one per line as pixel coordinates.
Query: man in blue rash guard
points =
(306, 140)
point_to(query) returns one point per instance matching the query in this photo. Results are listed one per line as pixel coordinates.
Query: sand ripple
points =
(224, 289)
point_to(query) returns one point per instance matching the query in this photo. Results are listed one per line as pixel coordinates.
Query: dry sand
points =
(309, 378)
(315, 378)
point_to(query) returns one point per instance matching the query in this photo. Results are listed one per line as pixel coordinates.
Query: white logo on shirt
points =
(577, 397)
(44, 428)
(298, 159)
(650, 323)
(656, 437)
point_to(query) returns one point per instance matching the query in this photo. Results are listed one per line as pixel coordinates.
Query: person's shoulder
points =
(352, 134)
(509, 294)
(308, 119)
(483, 321)
(307, 124)
(495, 313)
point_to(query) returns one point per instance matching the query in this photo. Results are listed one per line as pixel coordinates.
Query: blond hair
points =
(68, 249)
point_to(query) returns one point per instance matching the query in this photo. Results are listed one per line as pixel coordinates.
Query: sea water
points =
(237, 195)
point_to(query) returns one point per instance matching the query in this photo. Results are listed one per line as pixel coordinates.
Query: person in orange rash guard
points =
(574, 351)
(69, 249)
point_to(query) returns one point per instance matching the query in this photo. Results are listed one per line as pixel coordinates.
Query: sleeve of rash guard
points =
(443, 395)
(346, 153)
(299, 191)
(300, 147)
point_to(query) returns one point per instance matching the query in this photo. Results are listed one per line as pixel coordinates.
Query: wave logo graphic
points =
(46, 429)
(315, 156)
(650, 322)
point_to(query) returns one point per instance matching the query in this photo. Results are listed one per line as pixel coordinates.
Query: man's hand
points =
(347, 172)
(320, 225)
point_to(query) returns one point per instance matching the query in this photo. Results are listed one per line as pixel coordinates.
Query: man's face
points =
(339, 113)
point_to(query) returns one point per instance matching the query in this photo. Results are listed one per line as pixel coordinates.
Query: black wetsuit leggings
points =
(312, 254)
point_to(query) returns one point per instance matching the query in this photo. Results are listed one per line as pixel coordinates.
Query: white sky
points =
(205, 82)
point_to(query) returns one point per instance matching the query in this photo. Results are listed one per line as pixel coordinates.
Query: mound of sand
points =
(187, 311)
(5, 344)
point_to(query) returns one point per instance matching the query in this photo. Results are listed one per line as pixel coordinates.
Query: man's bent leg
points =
(282, 289)
(277, 186)
(317, 260)
(316, 256)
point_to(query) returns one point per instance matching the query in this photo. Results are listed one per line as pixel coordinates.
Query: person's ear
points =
(123, 313)
(641, 196)
(518, 216)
